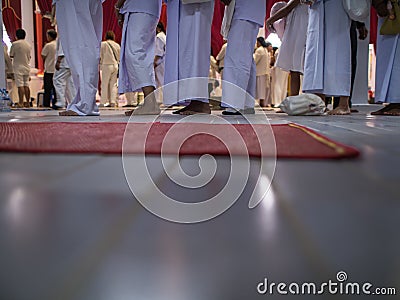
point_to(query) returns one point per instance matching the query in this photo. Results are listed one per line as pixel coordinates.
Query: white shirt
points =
(262, 60)
(20, 52)
(60, 52)
(49, 52)
(109, 53)
(161, 42)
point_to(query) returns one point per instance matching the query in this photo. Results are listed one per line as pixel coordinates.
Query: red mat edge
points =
(351, 152)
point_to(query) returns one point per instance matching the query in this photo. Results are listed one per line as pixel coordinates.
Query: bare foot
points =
(147, 108)
(68, 113)
(393, 109)
(196, 107)
(341, 111)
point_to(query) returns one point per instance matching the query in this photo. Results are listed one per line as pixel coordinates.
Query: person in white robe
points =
(262, 60)
(80, 25)
(327, 67)
(188, 55)
(3, 66)
(62, 80)
(239, 85)
(388, 73)
(292, 50)
(279, 83)
(136, 72)
(159, 59)
(109, 61)
(3, 63)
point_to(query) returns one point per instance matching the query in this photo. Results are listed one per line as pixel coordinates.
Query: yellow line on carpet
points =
(320, 138)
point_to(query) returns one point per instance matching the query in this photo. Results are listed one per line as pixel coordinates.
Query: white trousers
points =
(239, 85)
(80, 27)
(64, 86)
(109, 77)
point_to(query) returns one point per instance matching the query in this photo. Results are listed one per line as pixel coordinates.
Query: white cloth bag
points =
(303, 105)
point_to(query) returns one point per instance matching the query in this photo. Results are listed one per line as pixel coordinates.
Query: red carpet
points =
(292, 141)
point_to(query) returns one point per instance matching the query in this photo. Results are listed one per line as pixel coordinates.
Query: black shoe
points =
(55, 107)
(128, 105)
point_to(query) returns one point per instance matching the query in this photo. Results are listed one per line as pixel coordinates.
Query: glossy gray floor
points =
(71, 229)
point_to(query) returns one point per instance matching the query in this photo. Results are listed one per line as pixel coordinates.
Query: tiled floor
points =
(71, 229)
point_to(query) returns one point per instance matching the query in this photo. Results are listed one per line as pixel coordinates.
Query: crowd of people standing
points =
(319, 47)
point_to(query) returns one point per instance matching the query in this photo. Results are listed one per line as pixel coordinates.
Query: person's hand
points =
(270, 25)
(120, 19)
(362, 32)
(58, 63)
(226, 2)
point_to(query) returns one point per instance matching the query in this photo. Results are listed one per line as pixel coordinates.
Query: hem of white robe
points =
(74, 109)
(328, 93)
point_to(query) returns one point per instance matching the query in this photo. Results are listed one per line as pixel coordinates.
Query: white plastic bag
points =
(303, 105)
(358, 10)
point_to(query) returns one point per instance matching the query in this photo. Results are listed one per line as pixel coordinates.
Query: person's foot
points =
(393, 109)
(68, 113)
(128, 106)
(196, 107)
(27, 105)
(148, 108)
(340, 111)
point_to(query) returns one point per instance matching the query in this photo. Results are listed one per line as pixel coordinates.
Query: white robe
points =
(188, 51)
(136, 69)
(161, 41)
(239, 85)
(387, 68)
(2, 61)
(80, 27)
(250, 10)
(327, 67)
(293, 48)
